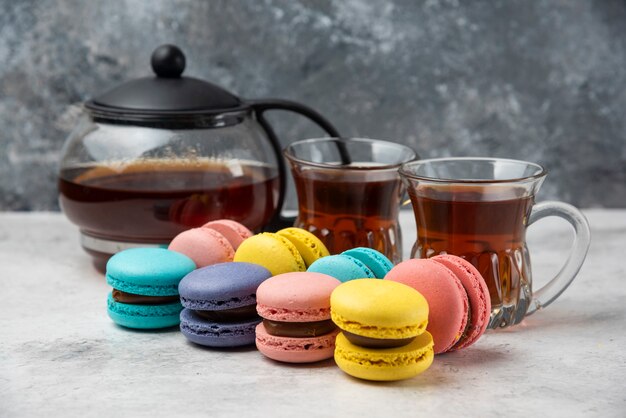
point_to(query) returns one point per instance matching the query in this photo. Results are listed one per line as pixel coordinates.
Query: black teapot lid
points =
(167, 94)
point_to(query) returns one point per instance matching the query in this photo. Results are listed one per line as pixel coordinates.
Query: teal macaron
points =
(341, 267)
(357, 263)
(375, 260)
(145, 287)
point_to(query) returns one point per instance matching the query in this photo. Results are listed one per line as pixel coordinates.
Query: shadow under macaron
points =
(238, 349)
(166, 330)
(314, 365)
(447, 369)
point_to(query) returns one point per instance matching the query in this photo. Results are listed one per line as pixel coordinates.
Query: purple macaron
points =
(220, 304)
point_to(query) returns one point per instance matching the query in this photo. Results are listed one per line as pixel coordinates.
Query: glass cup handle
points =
(553, 289)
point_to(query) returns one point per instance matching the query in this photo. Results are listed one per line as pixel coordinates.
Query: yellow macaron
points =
(383, 326)
(378, 309)
(309, 246)
(272, 251)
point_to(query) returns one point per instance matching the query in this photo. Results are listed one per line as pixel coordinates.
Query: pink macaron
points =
(447, 300)
(214, 242)
(233, 231)
(296, 326)
(477, 294)
(457, 295)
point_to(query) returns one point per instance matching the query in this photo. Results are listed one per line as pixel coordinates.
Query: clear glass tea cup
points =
(349, 192)
(479, 209)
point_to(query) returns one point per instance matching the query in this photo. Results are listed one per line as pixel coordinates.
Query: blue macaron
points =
(220, 304)
(357, 263)
(145, 287)
(342, 267)
(375, 260)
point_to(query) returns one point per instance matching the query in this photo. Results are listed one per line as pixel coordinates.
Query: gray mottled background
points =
(536, 80)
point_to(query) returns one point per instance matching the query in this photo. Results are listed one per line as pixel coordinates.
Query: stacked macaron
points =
(457, 294)
(212, 243)
(357, 263)
(288, 250)
(220, 304)
(145, 287)
(296, 326)
(383, 330)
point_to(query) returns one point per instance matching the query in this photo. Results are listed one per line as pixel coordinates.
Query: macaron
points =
(145, 287)
(272, 251)
(357, 263)
(214, 242)
(383, 330)
(233, 231)
(296, 326)
(220, 304)
(308, 245)
(374, 260)
(342, 267)
(477, 294)
(455, 321)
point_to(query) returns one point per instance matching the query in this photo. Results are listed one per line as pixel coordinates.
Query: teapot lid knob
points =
(168, 61)
(169, 95)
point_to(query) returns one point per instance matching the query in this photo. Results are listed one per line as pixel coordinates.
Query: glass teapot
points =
(158, 155)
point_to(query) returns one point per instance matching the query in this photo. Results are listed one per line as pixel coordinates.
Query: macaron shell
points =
(233, 231)
(148, 271)
(204, 246)
(222, 286)
(384, 364)
(477, 293)
(275, 253)
(146, 290)
(155, 269)
(143, 316)
(296, 297)
(376, 261)
(446, 296)
(342, 267)
(295, 350)
(309, 246)
(216, 334)
(379, 309)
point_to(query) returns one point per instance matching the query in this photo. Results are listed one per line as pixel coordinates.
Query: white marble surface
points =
(60, 355)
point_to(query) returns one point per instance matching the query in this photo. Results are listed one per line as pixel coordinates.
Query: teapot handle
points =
(260, 106)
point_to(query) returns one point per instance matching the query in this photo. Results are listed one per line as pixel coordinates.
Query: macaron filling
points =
(134, 299)
(384, 359)
(298, 329)
(370, 342)
(238, 314)
(392, 333)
